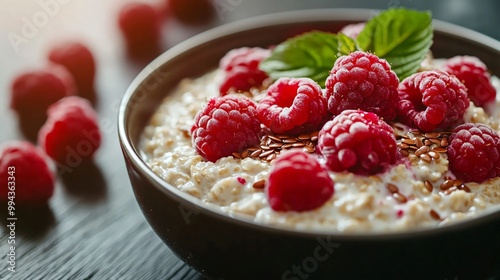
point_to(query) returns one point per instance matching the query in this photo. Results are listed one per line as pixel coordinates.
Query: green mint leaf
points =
(309, 55)
(347, 44)
(402, 37)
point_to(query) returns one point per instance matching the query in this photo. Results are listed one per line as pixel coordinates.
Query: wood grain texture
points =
(92, 227)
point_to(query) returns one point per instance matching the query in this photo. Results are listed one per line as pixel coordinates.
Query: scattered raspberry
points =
(474, 152)
(32, 92)
(294, 106)
(33, 181)
(140, 27)
(353, 30)
(473, 73)
(359, 142)
(362, 81)
(192, 11)
(298, 182)
(80, 62)
(241, 69)
(71, 133)
(225, 125)
(432, 100)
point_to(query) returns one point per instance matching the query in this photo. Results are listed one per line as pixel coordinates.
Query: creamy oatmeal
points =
(418, 192)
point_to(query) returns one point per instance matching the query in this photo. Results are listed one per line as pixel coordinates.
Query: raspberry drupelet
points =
(474, 152)
(298, 182)
(432, 100)
(358, 142)
(33, 180)
(473, 73)
(241, 69)
(293, 106)
(71, 130)
(362, 81)
(225, 125)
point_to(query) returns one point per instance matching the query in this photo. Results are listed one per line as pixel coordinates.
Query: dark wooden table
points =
(93, 228)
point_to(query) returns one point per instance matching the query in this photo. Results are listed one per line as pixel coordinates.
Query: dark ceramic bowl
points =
(224, 247)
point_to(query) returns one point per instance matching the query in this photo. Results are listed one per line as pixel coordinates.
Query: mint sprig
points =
(309, 55)
(402, 37)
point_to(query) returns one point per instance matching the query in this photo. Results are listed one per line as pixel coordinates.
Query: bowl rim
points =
(287, 17)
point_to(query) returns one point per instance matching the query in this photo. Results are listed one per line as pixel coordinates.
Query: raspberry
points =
(294, 106)
(353, 30)
(432, 100)
(359, 142)
(241, 69)
(225, 125)
(362, 81)
(140, 27)
(192, 11)
(25, 173)
(71, 133)
(474, 152)
(80, 62)
(32, 92)
(297, 182)
(473, 73)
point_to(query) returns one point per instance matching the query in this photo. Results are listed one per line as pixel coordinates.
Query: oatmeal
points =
(326, 132)
(417, 192)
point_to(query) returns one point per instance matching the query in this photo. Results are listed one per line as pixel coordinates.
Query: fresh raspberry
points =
(353, 30)
(71, 133)
(140, 27)
(293, 106)
(24, 174)
(359, 142)
(241, 69)
(32, 92)
(474, 74)
(432, 100)
(362, 81)
(297, 182)
(225, 125)
(192, 11)
(80, 62)
(474, 152)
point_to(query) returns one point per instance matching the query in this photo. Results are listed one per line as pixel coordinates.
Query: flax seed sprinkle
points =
(271, 145)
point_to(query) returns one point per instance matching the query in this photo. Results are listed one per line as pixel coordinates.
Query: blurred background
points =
(92, 228)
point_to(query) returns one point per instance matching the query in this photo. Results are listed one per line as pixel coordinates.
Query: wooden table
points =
(93, 228)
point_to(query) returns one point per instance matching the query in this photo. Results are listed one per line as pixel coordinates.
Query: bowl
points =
(223, 247)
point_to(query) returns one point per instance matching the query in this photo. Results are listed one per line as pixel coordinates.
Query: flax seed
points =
(439, 150)
(444, 142)
(426, 157)
(304, 137)
(255, 154)
(298, 145)
(400, 198)
(419, 143)
(237, 155)
(434, 215)
(275, 146)
(274, 138)
(432, 134)
(446, 184)
(392, 188)
(428, 185)
(259, 184)
(266, 153)
(422, 150)
(271, 157)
